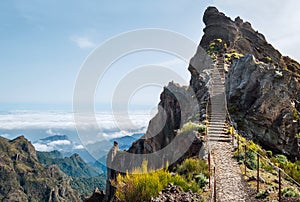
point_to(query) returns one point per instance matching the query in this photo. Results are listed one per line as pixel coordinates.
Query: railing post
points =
(238, 147)
(279, 192)
(209, 172)
(215, 185)
(245, 159)
(257, 173)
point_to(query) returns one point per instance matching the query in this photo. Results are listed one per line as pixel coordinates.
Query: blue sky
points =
(44, 43)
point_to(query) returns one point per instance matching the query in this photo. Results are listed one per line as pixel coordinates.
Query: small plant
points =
(297, 135)
(201, 180)
(251, 160)
(290, 192)
(191, 167)
(296, 115)
(190, 126)
(262, 195)
(269, 153)
(215, 47)
(229, 57)
(267, 60)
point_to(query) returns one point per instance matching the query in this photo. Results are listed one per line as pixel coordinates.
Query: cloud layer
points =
(50, 120)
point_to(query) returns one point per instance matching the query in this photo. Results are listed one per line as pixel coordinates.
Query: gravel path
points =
(230, 185)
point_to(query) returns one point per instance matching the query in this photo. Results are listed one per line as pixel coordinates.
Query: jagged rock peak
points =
(238, 35)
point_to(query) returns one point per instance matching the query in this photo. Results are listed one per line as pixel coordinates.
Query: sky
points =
(44, 43)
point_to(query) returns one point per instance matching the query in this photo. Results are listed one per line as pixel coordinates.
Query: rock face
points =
(177, 106)
(262, 95)
(161, 141)
(174, 193)
(237, 34)
(23, 178)
(262, 88)
(264, 103)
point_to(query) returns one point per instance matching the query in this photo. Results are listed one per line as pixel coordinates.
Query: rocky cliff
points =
(264, 104)
(23, 178)
(262, 87)
(177, 106)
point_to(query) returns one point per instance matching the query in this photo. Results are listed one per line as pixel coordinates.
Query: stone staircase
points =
(216, 129)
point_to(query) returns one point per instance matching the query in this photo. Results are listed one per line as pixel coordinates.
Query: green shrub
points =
(190, 126)
(262, 195)
(201, 180)
(140, 187)
(296, 115)
(192, 167)
(290, 192)
(143, 185)
(269, 153)
(281, 159)
(251, 160)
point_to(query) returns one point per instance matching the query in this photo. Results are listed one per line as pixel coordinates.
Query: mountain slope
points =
(23, 178)
(263, 88)
(64, 145)
(73, 166)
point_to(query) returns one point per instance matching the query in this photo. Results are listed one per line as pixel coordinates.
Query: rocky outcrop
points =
(262, 94)
(97, 196)
(177, 106)
(237, 34)
(264, 103)
(23, 178)
(262, 88)
(162, 144)
(174, 193)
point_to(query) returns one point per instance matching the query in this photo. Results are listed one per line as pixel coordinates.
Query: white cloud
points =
(5, 135)
(79, 147)
(42, 147)
(83, 42)
(51, 132)
(59, 142)
(30, 120)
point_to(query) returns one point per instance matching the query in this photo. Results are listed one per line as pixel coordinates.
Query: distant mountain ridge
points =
(85, 178)
(73, 166)
(64, 145)
(23, 178)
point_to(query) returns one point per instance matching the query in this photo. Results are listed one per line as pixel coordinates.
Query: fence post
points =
(209, 172)
(257, 173)
(238, 145)
(245, 158)
(215, 185)
(279, 192)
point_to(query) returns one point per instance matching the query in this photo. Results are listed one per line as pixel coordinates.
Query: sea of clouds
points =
(49, 123)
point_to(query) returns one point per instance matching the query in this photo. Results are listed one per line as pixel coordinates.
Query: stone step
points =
(219, 139)
(216, 131)
(218, 136)
(218, 127)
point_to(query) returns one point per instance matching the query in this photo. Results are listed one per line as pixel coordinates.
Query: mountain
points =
(54, 138)
(85, 178)
(73, 166)
(64, 145)
(262, 92)
(262, 88)
(23, 178)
